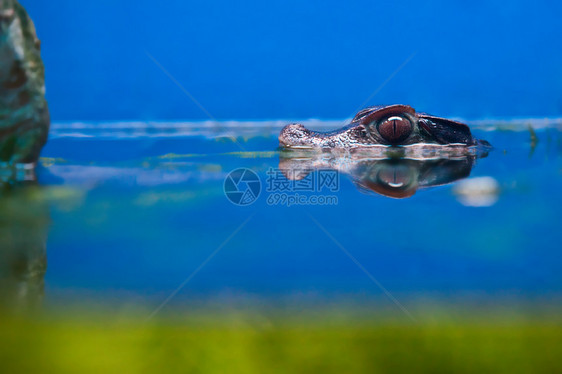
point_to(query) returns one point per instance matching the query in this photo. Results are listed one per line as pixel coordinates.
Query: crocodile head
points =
(392, 125)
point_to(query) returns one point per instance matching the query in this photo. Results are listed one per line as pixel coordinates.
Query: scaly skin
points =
(393, 125)
(24, 116)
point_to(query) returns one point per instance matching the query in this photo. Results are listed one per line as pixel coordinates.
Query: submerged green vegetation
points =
(234, 343)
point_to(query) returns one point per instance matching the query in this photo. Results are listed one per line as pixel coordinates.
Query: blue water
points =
(295, 59)
(136, 209)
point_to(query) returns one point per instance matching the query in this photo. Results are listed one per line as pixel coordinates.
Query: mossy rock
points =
(24, 115)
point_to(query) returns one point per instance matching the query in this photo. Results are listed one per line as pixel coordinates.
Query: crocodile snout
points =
(294, 135)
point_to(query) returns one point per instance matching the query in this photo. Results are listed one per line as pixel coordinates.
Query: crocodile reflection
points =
(391, 177)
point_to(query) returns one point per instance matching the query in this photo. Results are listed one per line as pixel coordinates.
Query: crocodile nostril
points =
(395, 129)
(293, 134)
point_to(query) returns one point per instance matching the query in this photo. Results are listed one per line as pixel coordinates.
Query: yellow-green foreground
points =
(250, 344)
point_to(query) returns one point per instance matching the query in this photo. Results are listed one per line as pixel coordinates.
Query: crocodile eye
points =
(395, 129)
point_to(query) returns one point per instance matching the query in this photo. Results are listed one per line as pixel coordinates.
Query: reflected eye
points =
(395, 176)
(395, 129)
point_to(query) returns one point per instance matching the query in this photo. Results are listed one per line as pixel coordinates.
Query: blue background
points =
(294, 59)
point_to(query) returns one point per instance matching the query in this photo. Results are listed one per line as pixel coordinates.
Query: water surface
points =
(134, 209)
